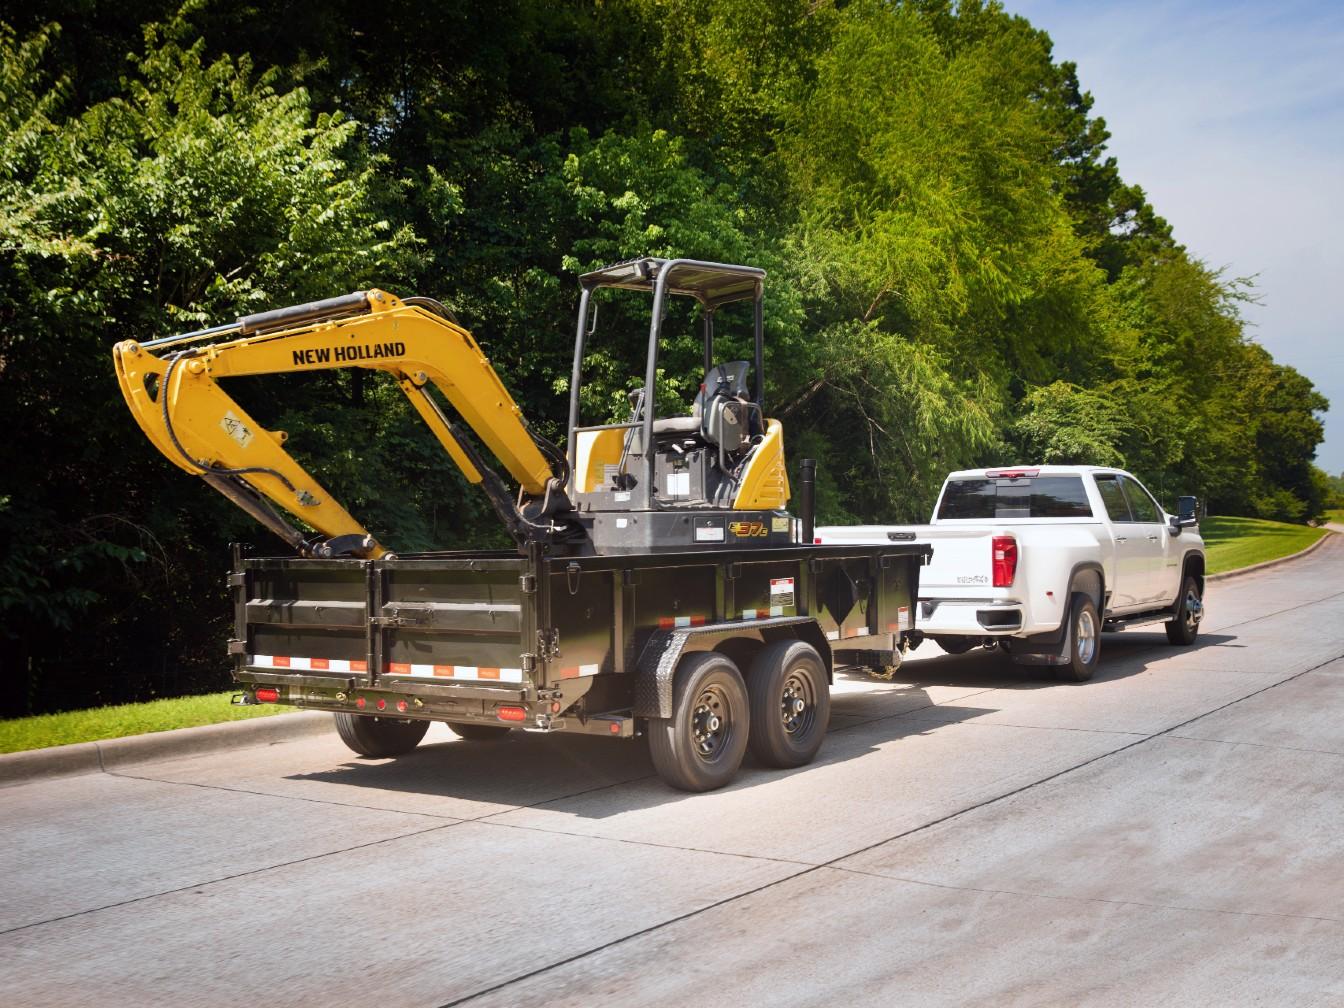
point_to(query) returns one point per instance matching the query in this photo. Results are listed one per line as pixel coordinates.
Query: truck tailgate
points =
(456, 624)
(961, 566)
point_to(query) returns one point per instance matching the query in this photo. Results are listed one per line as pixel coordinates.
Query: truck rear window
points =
(1028, 497)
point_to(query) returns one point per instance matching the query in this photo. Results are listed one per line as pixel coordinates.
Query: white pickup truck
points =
(1038, 560)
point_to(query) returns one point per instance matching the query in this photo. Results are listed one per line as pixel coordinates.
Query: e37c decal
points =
(748, 530)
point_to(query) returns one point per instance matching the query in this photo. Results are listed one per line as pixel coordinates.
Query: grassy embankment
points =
(1240, 542)
(46, 730)
(1232, 543)
(1335, 517)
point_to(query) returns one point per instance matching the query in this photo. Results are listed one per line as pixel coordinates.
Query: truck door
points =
(1132, 561)
(1147, 542)
(1164, 569)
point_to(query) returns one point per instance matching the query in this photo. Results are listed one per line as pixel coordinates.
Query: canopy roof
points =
(712, 284)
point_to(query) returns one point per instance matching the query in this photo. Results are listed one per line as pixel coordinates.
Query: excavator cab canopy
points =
(731, 421)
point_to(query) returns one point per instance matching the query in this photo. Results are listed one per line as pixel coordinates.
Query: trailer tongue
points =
(659, 586)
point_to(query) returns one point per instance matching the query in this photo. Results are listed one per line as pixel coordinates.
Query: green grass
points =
(1240, 542)
(20, 734)
(1336, 516)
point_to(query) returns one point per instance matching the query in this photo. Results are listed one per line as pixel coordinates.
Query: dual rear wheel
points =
(780, 710)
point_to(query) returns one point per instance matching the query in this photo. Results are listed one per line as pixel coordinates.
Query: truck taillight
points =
(1003, 550)
(511, 713)
(267, 694)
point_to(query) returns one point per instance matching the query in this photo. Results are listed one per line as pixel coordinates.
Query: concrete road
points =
(1170, 833)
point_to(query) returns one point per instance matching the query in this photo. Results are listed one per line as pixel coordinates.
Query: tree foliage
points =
(958, 272)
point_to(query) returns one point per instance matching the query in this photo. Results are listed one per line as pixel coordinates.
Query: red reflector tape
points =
(669, 622)
(281, 661)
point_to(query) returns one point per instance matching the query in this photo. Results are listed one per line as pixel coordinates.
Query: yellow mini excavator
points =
(649, 484)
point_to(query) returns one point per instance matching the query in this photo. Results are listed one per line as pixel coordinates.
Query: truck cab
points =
(1020, 552)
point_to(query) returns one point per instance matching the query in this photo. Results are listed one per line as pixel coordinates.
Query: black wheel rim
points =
(798, 704)
(711, 722)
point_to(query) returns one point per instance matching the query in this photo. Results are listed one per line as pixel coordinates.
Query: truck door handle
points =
(1122, 539)
(1153, 538)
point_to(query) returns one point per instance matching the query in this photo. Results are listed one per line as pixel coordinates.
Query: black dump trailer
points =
(704, 652)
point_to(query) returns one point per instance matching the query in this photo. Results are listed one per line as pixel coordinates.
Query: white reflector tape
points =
(832, 634)
(296, 663)
(575, 672)
(461, 673)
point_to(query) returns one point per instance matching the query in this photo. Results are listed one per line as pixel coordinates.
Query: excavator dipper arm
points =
(172, 389)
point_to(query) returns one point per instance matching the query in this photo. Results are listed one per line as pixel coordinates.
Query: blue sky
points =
(1231, 117)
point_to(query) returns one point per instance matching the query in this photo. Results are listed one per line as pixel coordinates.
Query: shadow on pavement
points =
(1122, 655)
(524, 769)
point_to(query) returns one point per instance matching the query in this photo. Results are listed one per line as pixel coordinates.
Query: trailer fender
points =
(657, 664)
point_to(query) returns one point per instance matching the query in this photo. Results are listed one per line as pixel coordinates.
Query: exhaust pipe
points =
(808, 501)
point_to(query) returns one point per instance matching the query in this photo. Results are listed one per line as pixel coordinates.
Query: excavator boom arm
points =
(172, 388)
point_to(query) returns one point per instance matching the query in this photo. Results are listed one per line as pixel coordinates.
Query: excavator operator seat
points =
(716, 414)
(725, 407)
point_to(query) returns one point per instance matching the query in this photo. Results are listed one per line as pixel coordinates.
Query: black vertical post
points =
(808, 501)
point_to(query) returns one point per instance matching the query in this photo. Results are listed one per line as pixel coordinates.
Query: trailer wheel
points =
(478, 732)
(790, 704)
(378, 736)
(1185, 627)
(700, 747)
(1084, 640)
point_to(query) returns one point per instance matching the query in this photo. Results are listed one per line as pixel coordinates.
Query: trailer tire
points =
(1189, 608)
(1084, 640)
(379, 737)
(790, 704)
(700, 747)
(478, 732)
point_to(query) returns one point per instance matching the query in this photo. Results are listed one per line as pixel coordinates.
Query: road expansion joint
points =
(226, 878)
(280, 797)
(1260, 745)
(1175, 908)
(650, 843)
(835, 862)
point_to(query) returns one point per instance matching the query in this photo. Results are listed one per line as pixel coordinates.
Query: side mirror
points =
(1187, 511)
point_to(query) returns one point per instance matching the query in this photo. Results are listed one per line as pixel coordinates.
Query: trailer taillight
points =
(511, 713)
(267, 694)
(1003, 550)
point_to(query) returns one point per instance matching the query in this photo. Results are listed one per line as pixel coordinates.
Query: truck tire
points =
(956, 645)
(1189, 609)
(379, 736)
(1084, 640)
(790, 704)
(700, 747)
(478, 732)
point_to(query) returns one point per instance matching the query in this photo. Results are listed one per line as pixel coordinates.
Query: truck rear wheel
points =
(1084, 642)
(790, 704)
(1189, 608)
(478, 732)
(700, 747)
(379, 736)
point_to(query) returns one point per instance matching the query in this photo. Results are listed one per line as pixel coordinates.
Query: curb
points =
(1270, 563)
(110, 754)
